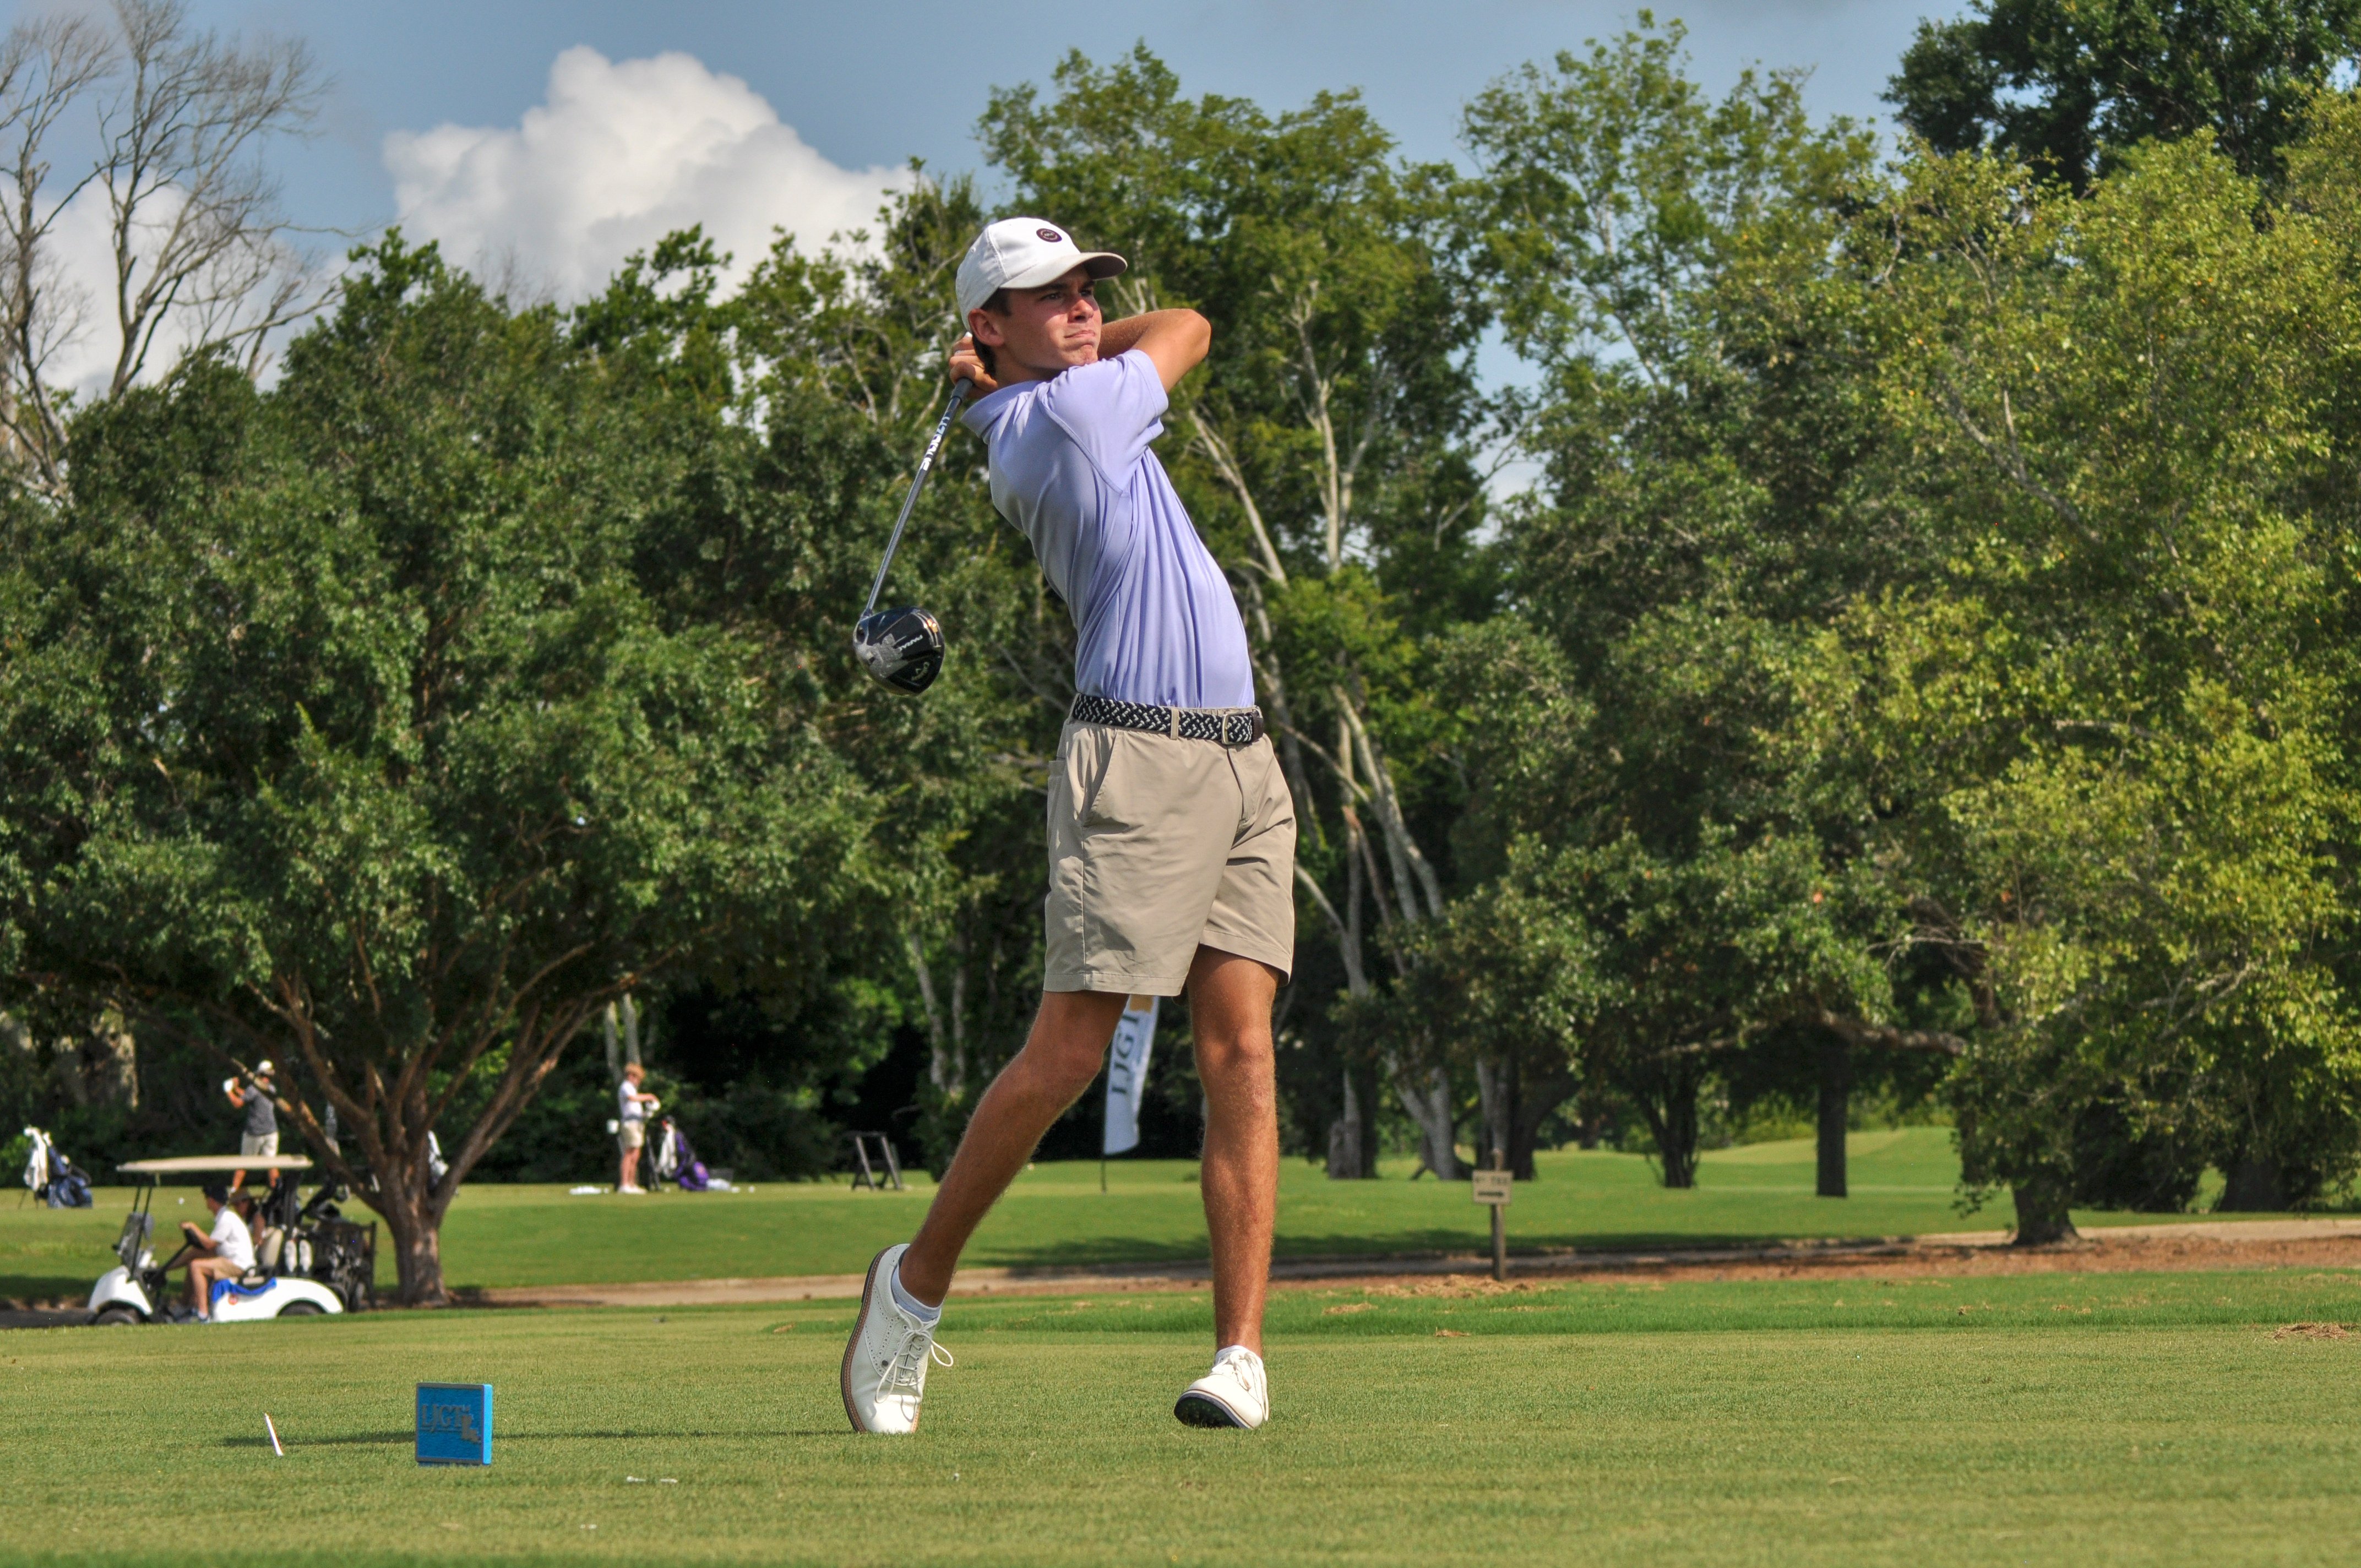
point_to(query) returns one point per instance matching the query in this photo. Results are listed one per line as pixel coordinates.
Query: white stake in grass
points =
(274, 1435)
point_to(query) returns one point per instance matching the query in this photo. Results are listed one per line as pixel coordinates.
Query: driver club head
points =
(901, 648)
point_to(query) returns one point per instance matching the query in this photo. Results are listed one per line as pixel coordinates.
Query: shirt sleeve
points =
(1111, 410)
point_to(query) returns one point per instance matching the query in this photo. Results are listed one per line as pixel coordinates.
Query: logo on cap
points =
(1052, 235)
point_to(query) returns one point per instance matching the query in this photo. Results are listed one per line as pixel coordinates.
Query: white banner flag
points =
(1135, 1034)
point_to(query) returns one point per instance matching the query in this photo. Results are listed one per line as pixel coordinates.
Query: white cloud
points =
(83, 335)
(620, 154)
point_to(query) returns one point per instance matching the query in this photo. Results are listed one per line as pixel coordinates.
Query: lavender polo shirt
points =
(1071, 467)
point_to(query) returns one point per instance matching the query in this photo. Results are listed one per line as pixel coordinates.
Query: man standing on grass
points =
(1171, 833)
(632, 1104)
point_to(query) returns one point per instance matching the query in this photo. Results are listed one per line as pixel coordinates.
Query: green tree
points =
(2063, 83)
(1665, 260)
(2105, 742)
(362, 723)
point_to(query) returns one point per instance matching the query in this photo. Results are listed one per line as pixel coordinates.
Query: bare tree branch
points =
(199, 249)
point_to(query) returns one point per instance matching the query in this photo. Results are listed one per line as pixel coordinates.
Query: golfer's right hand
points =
(966, 365)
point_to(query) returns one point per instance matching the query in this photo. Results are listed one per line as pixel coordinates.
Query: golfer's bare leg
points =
(1061, 1056)
(1229, 1009)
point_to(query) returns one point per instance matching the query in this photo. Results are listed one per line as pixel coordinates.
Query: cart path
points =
(42, 1318)
(2177, 1248)
(2199, 1245)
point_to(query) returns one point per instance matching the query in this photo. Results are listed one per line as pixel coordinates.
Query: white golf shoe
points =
(1237, 1393)
(886, 1366)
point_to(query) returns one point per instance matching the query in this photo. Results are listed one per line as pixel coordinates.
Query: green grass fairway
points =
(1903, 1184)
(2111, 1420)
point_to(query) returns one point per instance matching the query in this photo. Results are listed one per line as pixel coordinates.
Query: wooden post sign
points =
(455, 1424)
(1492, 1187)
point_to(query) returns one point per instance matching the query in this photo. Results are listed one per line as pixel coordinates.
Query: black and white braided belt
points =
(1230, 726)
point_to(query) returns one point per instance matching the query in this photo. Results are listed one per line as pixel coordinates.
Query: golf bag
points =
(52, 1176)
(676, 1159)
(70, 1188)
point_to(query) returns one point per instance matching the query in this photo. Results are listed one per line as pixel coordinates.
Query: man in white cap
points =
(259, 1139)
(1171, 833)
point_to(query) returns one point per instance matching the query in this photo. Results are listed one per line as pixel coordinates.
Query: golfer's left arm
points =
(1176, 340)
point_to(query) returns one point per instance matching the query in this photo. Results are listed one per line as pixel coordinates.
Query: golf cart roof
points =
(208, 1164)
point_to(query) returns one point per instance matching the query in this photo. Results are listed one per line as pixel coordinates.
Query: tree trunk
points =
(1678, 1149)
(2041, 1217)
(417, 1249)
(1524, 1134)
(1667, 1099)
(1836, 1102)
(1495, 1097)
(2254, 1187)
(1429, 1107)
(1351, 1141)
(1539, 1094)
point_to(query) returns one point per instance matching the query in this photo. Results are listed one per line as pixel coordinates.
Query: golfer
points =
(260, 1137)
(1171, 833)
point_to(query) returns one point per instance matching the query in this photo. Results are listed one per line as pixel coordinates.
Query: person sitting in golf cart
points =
(225, 1253)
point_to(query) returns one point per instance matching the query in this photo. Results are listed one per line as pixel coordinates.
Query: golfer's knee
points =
(1239, 1065)
(1064, 1067)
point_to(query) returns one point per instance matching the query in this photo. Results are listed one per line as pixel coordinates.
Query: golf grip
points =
(919, 483)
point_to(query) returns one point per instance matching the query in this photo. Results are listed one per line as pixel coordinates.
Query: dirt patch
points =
(1456, 1286)
(2116, 1252)
(2170, 1248)
(2313, 1331)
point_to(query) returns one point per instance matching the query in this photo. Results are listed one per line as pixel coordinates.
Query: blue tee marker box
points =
(455, 1424)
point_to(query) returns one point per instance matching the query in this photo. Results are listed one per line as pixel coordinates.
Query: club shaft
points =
(918, 482)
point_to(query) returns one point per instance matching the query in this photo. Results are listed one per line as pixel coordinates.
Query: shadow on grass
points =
(1114, 1252)
(511, 1440)
(46, 1287)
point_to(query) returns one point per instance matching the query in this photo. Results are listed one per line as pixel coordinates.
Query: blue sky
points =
(539, 143)
(865, 87)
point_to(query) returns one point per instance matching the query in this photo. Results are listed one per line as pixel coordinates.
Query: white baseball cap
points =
(1025, 253)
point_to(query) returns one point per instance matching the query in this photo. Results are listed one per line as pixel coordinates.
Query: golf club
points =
(903, 648)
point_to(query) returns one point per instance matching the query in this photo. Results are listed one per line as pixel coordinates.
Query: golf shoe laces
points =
(906, 1373)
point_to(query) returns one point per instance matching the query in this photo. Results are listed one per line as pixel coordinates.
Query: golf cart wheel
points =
(300, 1310)
(109, 1317)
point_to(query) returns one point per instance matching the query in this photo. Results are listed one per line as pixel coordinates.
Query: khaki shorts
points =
(1158, 847)
(264, 1147)
(633, 1135)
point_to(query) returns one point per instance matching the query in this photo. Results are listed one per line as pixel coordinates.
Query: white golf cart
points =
(308, 1259)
